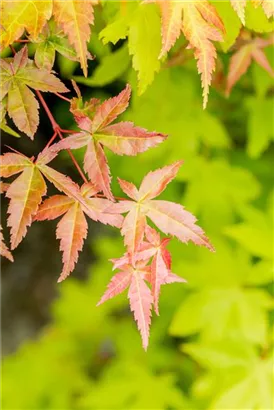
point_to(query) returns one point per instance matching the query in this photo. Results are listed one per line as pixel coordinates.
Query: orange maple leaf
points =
(75, 18)
(201, 25)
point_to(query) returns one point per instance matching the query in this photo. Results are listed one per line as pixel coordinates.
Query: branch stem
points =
(58, 131)
(68, 131)
(73, 158)
(62, 97)
(54, 124)
(51, 140)
(12, 49)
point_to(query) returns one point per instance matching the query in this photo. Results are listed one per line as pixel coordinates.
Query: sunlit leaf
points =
(18, 15)
(75, 17)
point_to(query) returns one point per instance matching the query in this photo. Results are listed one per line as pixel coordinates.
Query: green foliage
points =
(141, 23)
(91, 358)
(231, 21)
(260, 124)
(256, 20)
(102, 75)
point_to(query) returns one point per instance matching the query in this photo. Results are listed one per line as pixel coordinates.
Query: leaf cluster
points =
(214, 184)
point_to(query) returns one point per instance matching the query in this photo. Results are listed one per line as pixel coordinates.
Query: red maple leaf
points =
(72, 228)
(122, 138)
(169, 217)
(160, 271)
(201, 25)
(139, 294)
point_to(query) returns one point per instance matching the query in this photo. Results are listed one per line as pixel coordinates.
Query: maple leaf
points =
(27, 190)
(160, 272)
(139, 295)
(122, 138)
(161, 264)
(169, 217)
(141, 24)
(75, 18)
(3, 122)
(240, 5)
(267, 6)
(4, 251)
(201, 24)
(25, 193)
(144, 44)
(241, 60)
(83, 111)
(3, 187)
(140, 304)
(66, 185)
(72, 228)
(20, 15)
(50, 40)
(17, 75)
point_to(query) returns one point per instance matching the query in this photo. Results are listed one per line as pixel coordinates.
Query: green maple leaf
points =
(260, 125)
(102, 75)
(256, 20)
(141, 24)
(231, 22)
(245, 377)
(190, 128)
(217, 190)
(52, 39)
(131, 385)
(223, 293)
(255, 232)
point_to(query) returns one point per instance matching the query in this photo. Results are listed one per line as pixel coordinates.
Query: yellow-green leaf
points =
(144, 42)
(18, 15)
(23, 109)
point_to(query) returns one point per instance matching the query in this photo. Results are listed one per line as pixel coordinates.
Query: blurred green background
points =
(211, 347)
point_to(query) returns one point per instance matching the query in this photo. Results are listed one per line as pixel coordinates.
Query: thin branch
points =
(63, 98)
(58, 131)
(51, 140)
(68, 131)
(14, 150)
(12, 49)
(73, 158)
(22, 41)
(54, 124)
